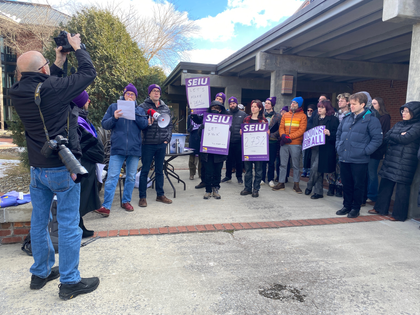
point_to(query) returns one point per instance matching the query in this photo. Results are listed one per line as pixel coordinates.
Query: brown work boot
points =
(279, 186)
(296, 188)
(142, 202)
(216, 194)
(163, 199)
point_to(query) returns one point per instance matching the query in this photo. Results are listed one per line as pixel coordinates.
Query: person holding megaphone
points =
(155, 139)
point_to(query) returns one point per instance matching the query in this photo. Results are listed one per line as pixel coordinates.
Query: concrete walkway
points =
(301, 268)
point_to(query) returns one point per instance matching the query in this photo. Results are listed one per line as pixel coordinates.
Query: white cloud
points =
(211, 56)
(246, 12)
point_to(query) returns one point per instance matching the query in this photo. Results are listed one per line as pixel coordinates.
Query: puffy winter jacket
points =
(358, 137)
(125, 134)
(237, 120)
(294, 125)
(154, 134)
(401, 161)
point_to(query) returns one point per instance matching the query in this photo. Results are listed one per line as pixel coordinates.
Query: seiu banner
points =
(255, 142)
(216, 134)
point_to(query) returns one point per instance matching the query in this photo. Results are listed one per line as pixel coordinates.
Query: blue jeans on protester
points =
(149, 151)
(114, 170)
(45, 182)
(372, 191)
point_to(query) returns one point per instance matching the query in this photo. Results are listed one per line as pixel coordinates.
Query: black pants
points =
(234, 160)
(203, 170)
(213, 173)
(353, 177)
(402, 199)
(272, 154)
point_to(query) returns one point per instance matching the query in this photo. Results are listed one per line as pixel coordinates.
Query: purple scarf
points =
(88, 126)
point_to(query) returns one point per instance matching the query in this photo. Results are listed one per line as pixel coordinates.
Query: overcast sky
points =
(225, 25)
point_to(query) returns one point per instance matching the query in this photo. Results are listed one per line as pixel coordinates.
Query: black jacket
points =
(218, 158)
(154, 134)
(385, 121)
(327, 154)
(56, 96)
(237, 120)
(401, 161)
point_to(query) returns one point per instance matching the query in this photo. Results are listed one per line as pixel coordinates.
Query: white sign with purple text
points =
(198, 94)
(255, 142)
(216, 134)
(313, 137)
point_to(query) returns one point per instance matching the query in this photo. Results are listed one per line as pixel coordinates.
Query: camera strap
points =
(38, 103)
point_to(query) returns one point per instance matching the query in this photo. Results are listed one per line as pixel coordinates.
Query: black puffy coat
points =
(401, 161)
(154, 134)
(418, 198)
(237, 120)
(327, 154)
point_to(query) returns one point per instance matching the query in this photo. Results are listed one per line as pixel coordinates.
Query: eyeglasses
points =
(310, 110)
(130, 94)
(47, 63)
(407, 111)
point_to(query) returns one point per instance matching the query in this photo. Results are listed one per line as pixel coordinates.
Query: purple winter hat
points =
(153, 86)
(222, 95)
(130, 87)
(233, 99)
(285, 108)
(272, 100)
(81, 99)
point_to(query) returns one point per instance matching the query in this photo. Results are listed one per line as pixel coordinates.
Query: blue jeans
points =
(372, 191)
(149, 151)
(114, 170)
(45, 182)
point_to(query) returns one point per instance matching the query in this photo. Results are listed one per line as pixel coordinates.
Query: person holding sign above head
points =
(323, 156)
(292, 128)
(256, 117)
(213, 163)
(234, 158)
(125, 146)
(358, 136)
(156, 139)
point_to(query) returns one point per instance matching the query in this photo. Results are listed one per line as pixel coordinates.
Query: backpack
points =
(52, 229)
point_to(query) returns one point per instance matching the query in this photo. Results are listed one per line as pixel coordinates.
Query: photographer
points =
(49, 176)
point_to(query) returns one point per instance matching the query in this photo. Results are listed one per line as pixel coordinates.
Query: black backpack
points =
(52, 229)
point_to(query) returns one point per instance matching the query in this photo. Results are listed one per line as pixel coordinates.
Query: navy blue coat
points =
(358, 137)
(401, 161)
(125, 134)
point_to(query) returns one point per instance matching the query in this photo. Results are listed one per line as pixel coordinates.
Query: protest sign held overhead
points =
(198, 94)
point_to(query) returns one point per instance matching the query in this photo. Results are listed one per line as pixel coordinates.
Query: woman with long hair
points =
(256, 117)
(323, 157)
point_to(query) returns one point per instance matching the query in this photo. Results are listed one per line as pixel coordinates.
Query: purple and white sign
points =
(313, 137)
(198, 94)
(216, 134)
(255, 142)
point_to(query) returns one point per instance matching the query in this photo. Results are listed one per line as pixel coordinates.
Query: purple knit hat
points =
(81, 99)
(233, 99)
(285, 108)
(272, 100)
(222, 95)
(130, 87)
(153, 86)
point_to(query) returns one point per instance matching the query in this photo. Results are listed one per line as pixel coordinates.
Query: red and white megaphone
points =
(163, 120)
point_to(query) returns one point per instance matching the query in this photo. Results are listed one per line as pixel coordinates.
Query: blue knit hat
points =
(222, 95)
(298, 100)
(233, 99)
(130, 87)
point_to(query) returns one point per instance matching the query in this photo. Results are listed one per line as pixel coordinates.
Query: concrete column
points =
(233, 90)
(275, 88)
(413, 94)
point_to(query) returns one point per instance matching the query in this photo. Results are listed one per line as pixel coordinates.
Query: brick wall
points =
(14, 232)
(393, 92)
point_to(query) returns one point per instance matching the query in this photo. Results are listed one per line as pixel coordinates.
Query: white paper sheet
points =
(99, 168)
(128, 109)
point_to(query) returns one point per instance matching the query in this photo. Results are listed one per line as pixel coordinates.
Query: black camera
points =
(61, 40)
(57, 145)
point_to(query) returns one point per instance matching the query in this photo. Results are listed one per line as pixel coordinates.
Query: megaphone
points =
(163, 120)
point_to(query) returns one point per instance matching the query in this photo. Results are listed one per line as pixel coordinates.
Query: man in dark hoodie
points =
(51, 112)
(155, 140)
(235, 150)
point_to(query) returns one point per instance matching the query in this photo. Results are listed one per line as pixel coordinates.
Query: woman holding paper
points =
(323, 156)
(256, 117)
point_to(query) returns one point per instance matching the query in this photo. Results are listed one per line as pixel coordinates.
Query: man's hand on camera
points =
(74, 41)
(60, 58)
(118, 113)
